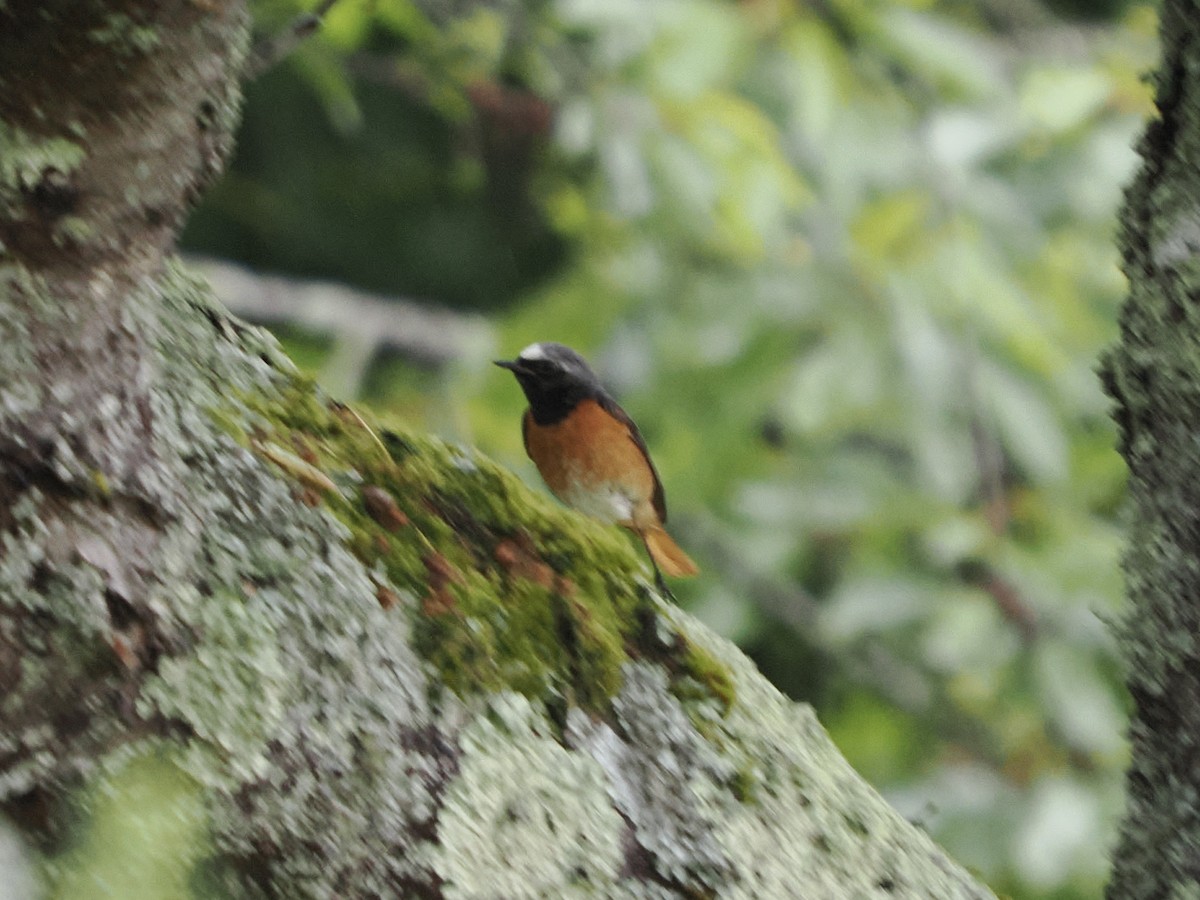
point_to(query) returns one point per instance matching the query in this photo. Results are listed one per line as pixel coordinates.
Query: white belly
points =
(609, 504)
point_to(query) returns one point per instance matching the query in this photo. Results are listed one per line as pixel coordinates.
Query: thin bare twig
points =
(997, 511)
(362, 324)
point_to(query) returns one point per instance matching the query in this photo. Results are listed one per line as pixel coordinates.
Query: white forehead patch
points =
(533, 352)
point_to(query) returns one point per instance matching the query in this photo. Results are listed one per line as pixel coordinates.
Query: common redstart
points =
(589, 452)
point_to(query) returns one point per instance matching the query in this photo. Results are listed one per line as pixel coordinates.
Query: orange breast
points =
(590, 461)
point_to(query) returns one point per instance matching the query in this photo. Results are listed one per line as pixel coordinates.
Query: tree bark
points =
(1153, 373)
(369, 664)
(113, 119)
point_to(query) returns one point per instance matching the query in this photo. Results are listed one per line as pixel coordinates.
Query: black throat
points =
(551, 400)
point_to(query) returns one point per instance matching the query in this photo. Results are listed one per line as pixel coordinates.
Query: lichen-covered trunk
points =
(113, 119)
(1153, 373)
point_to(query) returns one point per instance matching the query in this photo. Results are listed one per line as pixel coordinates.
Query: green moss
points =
(743, 784)
(506, 590)
(702, 675)
(128, 37)
(72, 230)
(100, 482)
(502, 593)
(229, 422)
(26, 160)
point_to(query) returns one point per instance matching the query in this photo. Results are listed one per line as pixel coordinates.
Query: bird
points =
(591, 454)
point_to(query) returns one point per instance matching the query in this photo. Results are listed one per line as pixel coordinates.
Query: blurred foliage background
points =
(847, 262)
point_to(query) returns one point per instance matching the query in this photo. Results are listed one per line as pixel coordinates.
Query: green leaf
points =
(1080, 698)
(869, 605)
(942, 50)
(892, 227)
(1057, 98)
(1025, 421)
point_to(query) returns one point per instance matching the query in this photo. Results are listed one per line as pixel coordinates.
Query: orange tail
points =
(667, 555)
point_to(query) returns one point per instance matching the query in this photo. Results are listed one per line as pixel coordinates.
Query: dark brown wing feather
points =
(609, 405)
(525, 420)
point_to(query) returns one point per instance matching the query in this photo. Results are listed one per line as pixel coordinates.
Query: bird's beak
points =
(512, 365)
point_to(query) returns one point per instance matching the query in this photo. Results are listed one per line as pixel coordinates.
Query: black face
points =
(554, 378)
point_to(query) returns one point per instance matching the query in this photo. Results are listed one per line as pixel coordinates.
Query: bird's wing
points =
(609, 405)
(525, 420)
